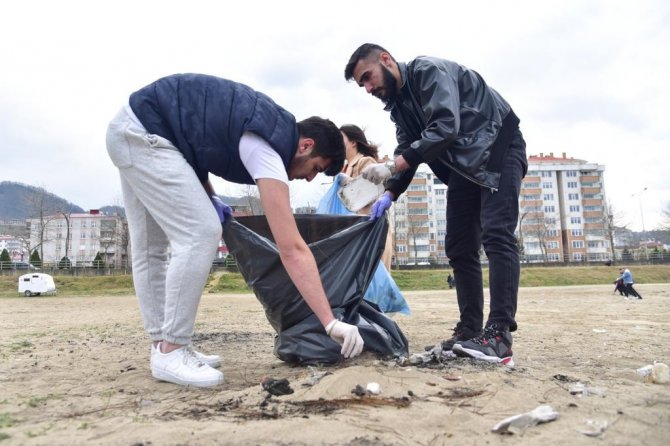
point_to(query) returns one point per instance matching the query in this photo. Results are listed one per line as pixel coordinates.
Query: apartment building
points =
(80, 237)
(418, 222)
(562, 214)
(15, 246)
(563, 211)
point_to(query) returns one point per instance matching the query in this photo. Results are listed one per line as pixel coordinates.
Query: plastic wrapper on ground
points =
(347, 250)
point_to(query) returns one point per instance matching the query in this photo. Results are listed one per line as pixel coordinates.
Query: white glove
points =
(347, 335)
(377, 173)
(343, 179)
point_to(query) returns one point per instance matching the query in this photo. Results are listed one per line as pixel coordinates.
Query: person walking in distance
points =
(627, 277)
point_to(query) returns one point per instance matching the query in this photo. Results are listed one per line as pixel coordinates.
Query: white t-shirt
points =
(260, 159)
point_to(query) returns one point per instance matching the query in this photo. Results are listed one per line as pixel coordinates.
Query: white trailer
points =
(35, 284)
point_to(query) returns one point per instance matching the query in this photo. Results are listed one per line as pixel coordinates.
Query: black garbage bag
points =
(347, 250)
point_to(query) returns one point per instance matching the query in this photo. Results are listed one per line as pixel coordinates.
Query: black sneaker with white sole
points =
(459, 334)
(493, 345)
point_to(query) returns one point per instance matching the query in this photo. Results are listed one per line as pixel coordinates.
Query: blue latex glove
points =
(221, 208)
(380, 206)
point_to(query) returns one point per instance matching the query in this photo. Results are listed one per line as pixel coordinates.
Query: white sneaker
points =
(213, 361)
(182, 366)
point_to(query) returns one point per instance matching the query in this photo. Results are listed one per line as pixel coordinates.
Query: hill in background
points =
(21, 201)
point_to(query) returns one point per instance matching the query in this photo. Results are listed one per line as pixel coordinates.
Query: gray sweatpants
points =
(174, 228)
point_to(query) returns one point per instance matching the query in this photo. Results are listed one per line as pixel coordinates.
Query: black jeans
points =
(477, 217)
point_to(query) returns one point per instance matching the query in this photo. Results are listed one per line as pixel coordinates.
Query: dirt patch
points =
(76, 371)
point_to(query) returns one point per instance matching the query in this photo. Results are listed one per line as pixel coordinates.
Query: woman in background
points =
(360, 153)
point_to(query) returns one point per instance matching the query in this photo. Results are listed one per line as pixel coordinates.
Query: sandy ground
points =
(76, 371)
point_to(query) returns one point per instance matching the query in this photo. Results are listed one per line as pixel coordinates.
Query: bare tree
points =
(416, 228)
(253, 200)
(519, 241)
(665, 223)
(613, 224)
(66, 215)
(39, 210)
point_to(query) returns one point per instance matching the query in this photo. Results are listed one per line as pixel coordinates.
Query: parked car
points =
(17, 265)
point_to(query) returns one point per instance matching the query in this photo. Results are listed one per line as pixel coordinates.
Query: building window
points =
(549, 209)
(547, 185)
(577, 243)
(572, 184)
(546, 174)
(548, 197)
(573, 196)
(571, 173)
(419, 211)
(552, 232)
(576, 232)
(574, 208)
(575, 220)
(531, 185)
(593, 208)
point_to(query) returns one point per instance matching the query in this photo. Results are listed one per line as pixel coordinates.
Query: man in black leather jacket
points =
(448, 117)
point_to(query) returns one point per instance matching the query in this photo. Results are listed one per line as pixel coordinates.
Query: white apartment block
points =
(563, 210)
(15, 246)
(418, 221)
(80, 237)
(562, 214)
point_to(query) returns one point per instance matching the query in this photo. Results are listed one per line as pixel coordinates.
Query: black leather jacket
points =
(448, 117)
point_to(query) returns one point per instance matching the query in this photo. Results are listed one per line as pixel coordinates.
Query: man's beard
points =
(390, 86)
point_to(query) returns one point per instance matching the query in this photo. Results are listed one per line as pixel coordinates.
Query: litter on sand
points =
(657, 373)
(277, 387)
(582, 389)
(594, 428)
(518, 424)
(373, 388)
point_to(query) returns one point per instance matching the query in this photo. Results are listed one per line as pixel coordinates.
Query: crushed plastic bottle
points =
(657, 373)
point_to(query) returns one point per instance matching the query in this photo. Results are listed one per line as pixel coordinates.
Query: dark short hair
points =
(356, 134)
(328, 141)
(362, 52)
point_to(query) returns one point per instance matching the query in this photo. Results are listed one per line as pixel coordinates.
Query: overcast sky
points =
(586, 77)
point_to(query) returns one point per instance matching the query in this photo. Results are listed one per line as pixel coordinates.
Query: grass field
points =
(222, 282)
